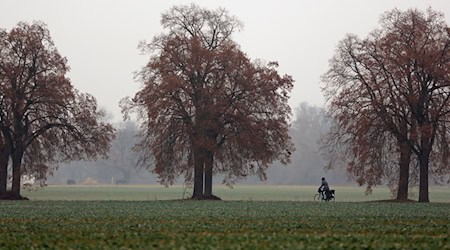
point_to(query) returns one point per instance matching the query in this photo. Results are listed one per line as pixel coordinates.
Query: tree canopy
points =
(389, 95)
(205, 106)
(43, 119)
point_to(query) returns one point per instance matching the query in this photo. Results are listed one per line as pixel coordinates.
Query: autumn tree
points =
(43, 119)
(390, 96)
(205, 107)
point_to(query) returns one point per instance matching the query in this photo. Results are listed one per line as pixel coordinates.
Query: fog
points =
(119, 168)
(306, 167)
(100, 37)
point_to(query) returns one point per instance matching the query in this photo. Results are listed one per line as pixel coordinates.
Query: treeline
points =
(307, 164)
(119, 167)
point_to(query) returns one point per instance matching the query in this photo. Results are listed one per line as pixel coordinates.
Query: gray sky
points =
(100, 37)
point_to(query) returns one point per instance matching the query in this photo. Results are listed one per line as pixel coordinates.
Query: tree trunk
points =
(198, 174)
(208, 174)
(4, 157)
(424, 160)
(403, 182)
(423, 183)
(17, 172)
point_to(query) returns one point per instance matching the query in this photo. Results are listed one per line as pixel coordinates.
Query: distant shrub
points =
(71, 182)
(121, 181)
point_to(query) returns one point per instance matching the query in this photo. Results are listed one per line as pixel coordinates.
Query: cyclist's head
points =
(323, 178)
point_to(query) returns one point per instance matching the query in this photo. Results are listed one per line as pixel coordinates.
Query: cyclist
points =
(325, 190)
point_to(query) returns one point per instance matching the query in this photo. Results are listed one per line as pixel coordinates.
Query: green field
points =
(250, 217)
(238, 192)
(222, 225)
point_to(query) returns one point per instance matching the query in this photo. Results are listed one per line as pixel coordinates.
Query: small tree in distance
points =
(205, 107)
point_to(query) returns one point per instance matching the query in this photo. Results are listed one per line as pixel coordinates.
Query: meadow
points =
(238, 192)
(249, 217)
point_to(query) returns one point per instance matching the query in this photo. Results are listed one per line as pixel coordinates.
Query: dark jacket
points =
(324, 186)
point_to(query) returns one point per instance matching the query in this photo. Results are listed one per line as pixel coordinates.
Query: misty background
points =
(306, 167)
(99, 38)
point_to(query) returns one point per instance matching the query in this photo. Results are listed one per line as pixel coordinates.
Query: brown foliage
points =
(393, 89)
(43, 119)
(203, 98)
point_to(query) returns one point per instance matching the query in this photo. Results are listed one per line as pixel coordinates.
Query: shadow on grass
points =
(11, 196)
(393, 201)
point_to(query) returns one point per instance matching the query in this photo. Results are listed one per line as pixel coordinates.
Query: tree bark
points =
(424, 160)
(403, 182)
(208, 174)
(4, 158)
(198, 174)
(17, 172)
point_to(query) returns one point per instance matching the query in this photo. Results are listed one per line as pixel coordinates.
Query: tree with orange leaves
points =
(205, 107)
(43, 119)
(389, 95)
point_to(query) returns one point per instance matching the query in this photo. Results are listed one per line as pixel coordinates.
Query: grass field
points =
(250, 217)
(239, 192)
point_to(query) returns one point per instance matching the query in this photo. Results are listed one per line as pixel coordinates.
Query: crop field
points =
(246, 219)
(184, 224)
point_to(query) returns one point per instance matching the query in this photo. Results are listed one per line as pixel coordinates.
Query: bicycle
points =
(320, 196)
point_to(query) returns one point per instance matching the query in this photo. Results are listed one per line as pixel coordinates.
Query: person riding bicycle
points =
(324, 189)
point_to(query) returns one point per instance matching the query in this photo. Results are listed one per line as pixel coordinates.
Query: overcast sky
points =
(100, 37)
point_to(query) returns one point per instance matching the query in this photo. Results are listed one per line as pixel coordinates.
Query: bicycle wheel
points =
(317, 197)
